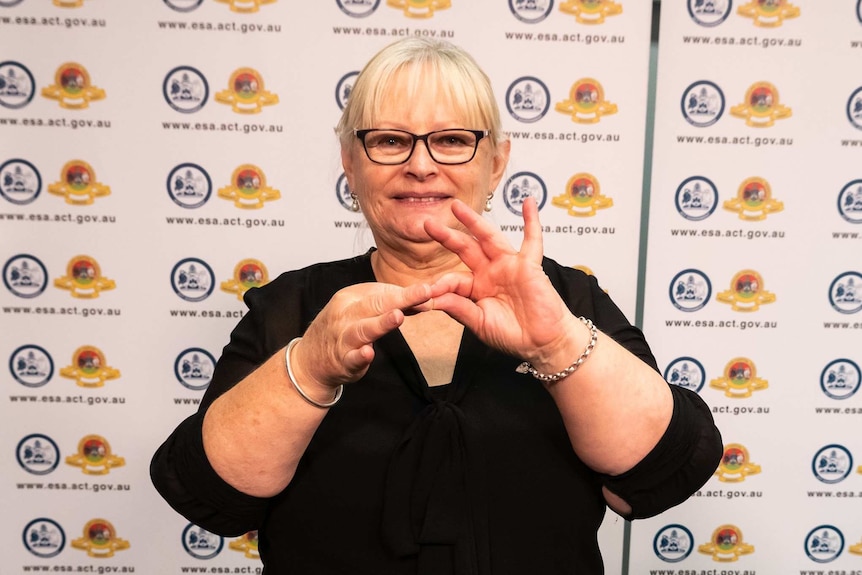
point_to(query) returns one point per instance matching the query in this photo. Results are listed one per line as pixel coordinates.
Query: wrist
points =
(312, 391)
(560, 361)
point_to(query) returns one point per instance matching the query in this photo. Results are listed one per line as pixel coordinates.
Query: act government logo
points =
(245, 93)
(768, 14)
(686, 372)
(824, 543)
(850, 202)
(183, 5)
(78, 184)
(419, 8)
(739, 379)
(859, 11)
(17, 85)
(84, 278)
(735, 464)
(200, 543)
(840, 378)
(690, 290)
(761, 107)
(531, 11)
(344, 195)
(726, 544)
(583, 196)
(194, 368)
(845, 292)
(854, 107)
(99, 539)
(72, 87)
(586, 103)
(591, 11)
(37, 454)
(25, 276)
(31, 365)
(21, 182)
(696, 198)
(358, 8)
(94, 456)
(343, 88)
(189, 185)
(709, 13)
(832, 463)
(192, 279)
(673, 543)
(9, 3)
(521, 186)
(746, 292)
(702, 103)
(248, 188)
(44, 538)
(754, 201)
(185, 89)
(246, 6)
(248, 273)
(247, 545)
(528, 99)
(89, 367)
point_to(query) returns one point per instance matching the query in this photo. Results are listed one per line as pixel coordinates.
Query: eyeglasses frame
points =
(361, 134)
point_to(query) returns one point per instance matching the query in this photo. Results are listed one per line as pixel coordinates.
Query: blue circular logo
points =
(702, 104)
(673, 543)
(343, 89)
(709, 14)
(832, 463)
(521, 186)
(840, 378)
(184, 5)
(192, 279)
(854, 108)
(200, 543)
(189, 185)
(342, 192)
(824, 543)
(845, 292)
(25, 276)
(185, 89)
(528, 99)
(686, 372)
(37, 454)
(358, 8)
(531, 11)
(850, 202)
(17, 85)
(44, 537)
(690, 290)
(31, 366)
(194, 368)
(696, 198)
(20, 181)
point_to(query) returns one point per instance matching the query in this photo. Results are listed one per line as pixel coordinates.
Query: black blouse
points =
(475, 477)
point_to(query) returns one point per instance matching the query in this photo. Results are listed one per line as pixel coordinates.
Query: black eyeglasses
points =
(393, 147)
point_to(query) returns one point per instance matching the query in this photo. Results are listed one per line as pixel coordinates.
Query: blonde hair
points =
(456, 73)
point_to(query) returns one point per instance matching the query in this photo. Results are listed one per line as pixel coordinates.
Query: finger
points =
(369, 330)
(357, 360)
(393, 297)
(457, 242)
(532, 247)
(491, 240)
(461, 309)
(460, 283)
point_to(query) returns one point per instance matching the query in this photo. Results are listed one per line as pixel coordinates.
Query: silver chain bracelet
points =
(526, 367)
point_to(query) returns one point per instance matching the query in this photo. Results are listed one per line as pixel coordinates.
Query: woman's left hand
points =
(505, 299)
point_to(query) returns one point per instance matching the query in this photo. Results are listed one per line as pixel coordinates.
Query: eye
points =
(393, 140)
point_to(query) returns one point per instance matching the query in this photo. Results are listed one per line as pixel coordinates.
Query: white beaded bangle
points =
(555, 377)
(338, 390)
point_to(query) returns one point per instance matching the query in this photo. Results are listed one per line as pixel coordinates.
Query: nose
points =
(421, 164)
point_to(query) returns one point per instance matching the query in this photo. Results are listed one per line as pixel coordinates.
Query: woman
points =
(367, 416)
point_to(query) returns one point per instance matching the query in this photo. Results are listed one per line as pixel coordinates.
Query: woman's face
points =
(397, 200)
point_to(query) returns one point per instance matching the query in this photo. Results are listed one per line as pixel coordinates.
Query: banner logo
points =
(761, 107)
(200, 543)
(521, 186)
(583, 196)
(248, 189)
(94, 456)
(591, 11)
(247, 274)
(673, 543)
(358, 8)
(192, 279)
(25, 276)
(840, 378)
(844, 292)
(832, 463)
(696, 198)
(72, 87)
(746, 292)
(586, 103)
(854, 108)
(702, 104)
(17, 85)
(690, 290)
(37, 454)
(247, 544)
(84, 278)
(824, 543)
(44, 538)
(850, 202)
(531, 11)
(189, 185)
(9, 3)
(739, 379)
(735, 464)
(342, 193)
(183, 5)
(709, 13)
(754, 200)
(246, 6)
(100, 539)
(419, 8)
(859, 17)
(343, 89)
(686, 372)
(769, 14)
(185, 89)
(31, 366)
(89, 368)
(528, 99)
(78, 184)
(856, 548)
(726, 544)
(194, 368)
(21, 183)
(246, 93)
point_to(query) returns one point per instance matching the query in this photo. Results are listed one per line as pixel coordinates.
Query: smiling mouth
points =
(421, 199)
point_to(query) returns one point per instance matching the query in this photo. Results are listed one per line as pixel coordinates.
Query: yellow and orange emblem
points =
(246, 93)
(94, 456)
(246, 6)
(586, 103)
(247, 274)
(248, 189)
(72, 87)
(583, 196)
(739, 379)
(78, 184)
(735, 464)
(746, 292)
(89, 368)
(754, 200)
(591, 11)
(856, 548)
(247, 544)
(84, 278)
(419, 8)
(100, 539)
(69, 3)
(761, 107)
(768, 13)
(726, 544)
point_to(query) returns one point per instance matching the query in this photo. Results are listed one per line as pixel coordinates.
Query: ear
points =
(347, 165)
(499, 163)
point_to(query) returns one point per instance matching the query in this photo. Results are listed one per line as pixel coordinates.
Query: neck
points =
(404, 268)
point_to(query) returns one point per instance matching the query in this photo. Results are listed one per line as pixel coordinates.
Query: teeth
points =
(424, 199)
